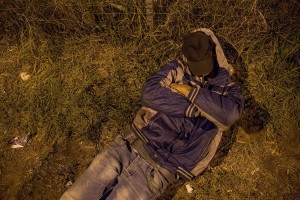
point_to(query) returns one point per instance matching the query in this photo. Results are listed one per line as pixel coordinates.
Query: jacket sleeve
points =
(222, 105)
(158, 95)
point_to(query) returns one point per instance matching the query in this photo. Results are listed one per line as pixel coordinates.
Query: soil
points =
(43, 170)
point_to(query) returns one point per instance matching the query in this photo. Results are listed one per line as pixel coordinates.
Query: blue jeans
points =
(118, 173)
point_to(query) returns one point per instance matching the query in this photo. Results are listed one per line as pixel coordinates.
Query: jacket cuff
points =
(192, 110)
(185, 174)
(193, 93)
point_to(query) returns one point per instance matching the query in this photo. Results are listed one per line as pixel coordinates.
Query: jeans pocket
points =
(156, 181)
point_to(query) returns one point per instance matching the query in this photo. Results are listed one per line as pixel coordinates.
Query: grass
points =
(87, 62)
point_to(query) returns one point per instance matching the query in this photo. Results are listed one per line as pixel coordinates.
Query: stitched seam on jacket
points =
(201, 165)
(150, 123)
(139, 133)
(205, 149)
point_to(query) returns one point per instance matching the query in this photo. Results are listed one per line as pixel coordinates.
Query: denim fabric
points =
(118, 173)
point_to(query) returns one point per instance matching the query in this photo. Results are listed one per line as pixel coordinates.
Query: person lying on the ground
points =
(185, 107)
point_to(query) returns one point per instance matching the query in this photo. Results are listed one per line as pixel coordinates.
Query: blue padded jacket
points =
(178, 131)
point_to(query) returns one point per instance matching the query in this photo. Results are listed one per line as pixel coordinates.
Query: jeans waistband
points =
(138, 145)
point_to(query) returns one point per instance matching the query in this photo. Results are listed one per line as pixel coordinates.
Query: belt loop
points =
(129, 136)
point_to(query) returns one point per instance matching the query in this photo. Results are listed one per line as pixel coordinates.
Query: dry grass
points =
(87, 61)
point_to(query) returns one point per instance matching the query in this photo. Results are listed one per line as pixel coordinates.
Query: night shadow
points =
(254, 117)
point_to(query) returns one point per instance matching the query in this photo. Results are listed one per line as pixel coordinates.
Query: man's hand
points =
(181, 88)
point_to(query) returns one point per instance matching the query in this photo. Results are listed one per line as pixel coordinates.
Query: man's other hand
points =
(181, 88)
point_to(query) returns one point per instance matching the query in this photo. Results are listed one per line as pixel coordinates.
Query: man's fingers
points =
(181, 88)
(175, 85)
